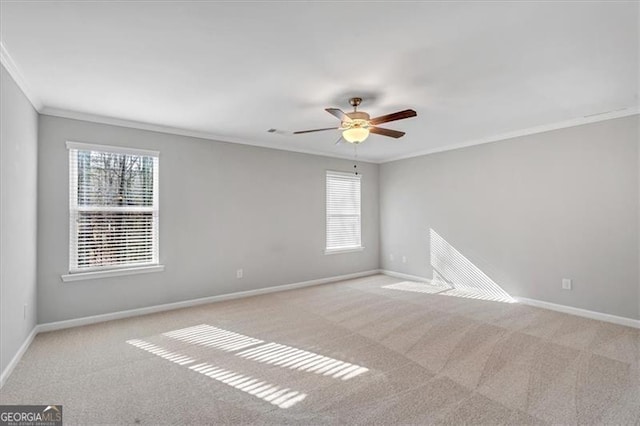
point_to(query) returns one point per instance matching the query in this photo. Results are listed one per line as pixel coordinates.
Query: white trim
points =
(343, 250)
(594, 118)
(16, 358)
(629, 322)
(404, 276)
(76, 322)
(92, 275)
(59, 325)
(15, 73)
(338, 173)
(73, 207)
(82, 146)
(151, 265)
(132, 124)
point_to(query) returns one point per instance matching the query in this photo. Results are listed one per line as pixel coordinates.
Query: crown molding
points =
(93, 118)
(593, 118)
(74, 115)
(13, 70)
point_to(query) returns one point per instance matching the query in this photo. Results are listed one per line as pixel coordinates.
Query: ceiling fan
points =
(357, 125)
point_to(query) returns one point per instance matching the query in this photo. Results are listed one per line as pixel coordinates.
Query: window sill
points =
(343, 250)
(80, 276)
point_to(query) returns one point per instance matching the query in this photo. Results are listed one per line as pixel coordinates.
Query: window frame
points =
(350, 249)
(154, 265)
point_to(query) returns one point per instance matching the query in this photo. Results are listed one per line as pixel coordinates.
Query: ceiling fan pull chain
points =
(355, 158)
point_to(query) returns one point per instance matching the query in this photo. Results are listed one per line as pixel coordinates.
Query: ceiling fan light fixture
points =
(355, 134)
(356, 126)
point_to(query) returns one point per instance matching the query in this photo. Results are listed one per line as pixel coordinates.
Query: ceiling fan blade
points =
(393, 117)
(315, 130)
(386, 132)
(338, 113)
(279, 132)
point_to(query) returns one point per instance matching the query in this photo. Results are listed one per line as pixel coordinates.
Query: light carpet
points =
(363, 351)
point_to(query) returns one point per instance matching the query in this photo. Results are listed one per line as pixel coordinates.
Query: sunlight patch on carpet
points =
(279, 396)
(213, 337)
(298, 359)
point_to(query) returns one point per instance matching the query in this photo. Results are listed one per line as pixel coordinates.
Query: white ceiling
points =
(472, 71)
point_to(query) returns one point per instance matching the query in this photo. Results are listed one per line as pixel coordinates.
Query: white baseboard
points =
(16, 358)
(629, 322)
(403, 276)
(76, 322)
(59, 325)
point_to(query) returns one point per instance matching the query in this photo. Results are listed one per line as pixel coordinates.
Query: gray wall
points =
(18, 217)
(222, 207)
(527, 212)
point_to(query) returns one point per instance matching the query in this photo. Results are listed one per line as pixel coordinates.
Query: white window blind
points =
(113, 200)
(343, 211)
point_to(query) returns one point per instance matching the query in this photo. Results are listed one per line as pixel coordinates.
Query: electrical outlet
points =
(391, 257)
(566, 284)
(404, 259)
(239, 273)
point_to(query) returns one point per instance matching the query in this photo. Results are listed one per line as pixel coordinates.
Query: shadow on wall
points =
(453, 270)
(454, 275)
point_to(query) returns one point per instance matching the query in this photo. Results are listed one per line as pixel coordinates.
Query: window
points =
(343, 212)
(113, 200)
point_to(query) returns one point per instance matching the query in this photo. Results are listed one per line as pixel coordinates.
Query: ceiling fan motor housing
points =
(358, 115)
(358, 119)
